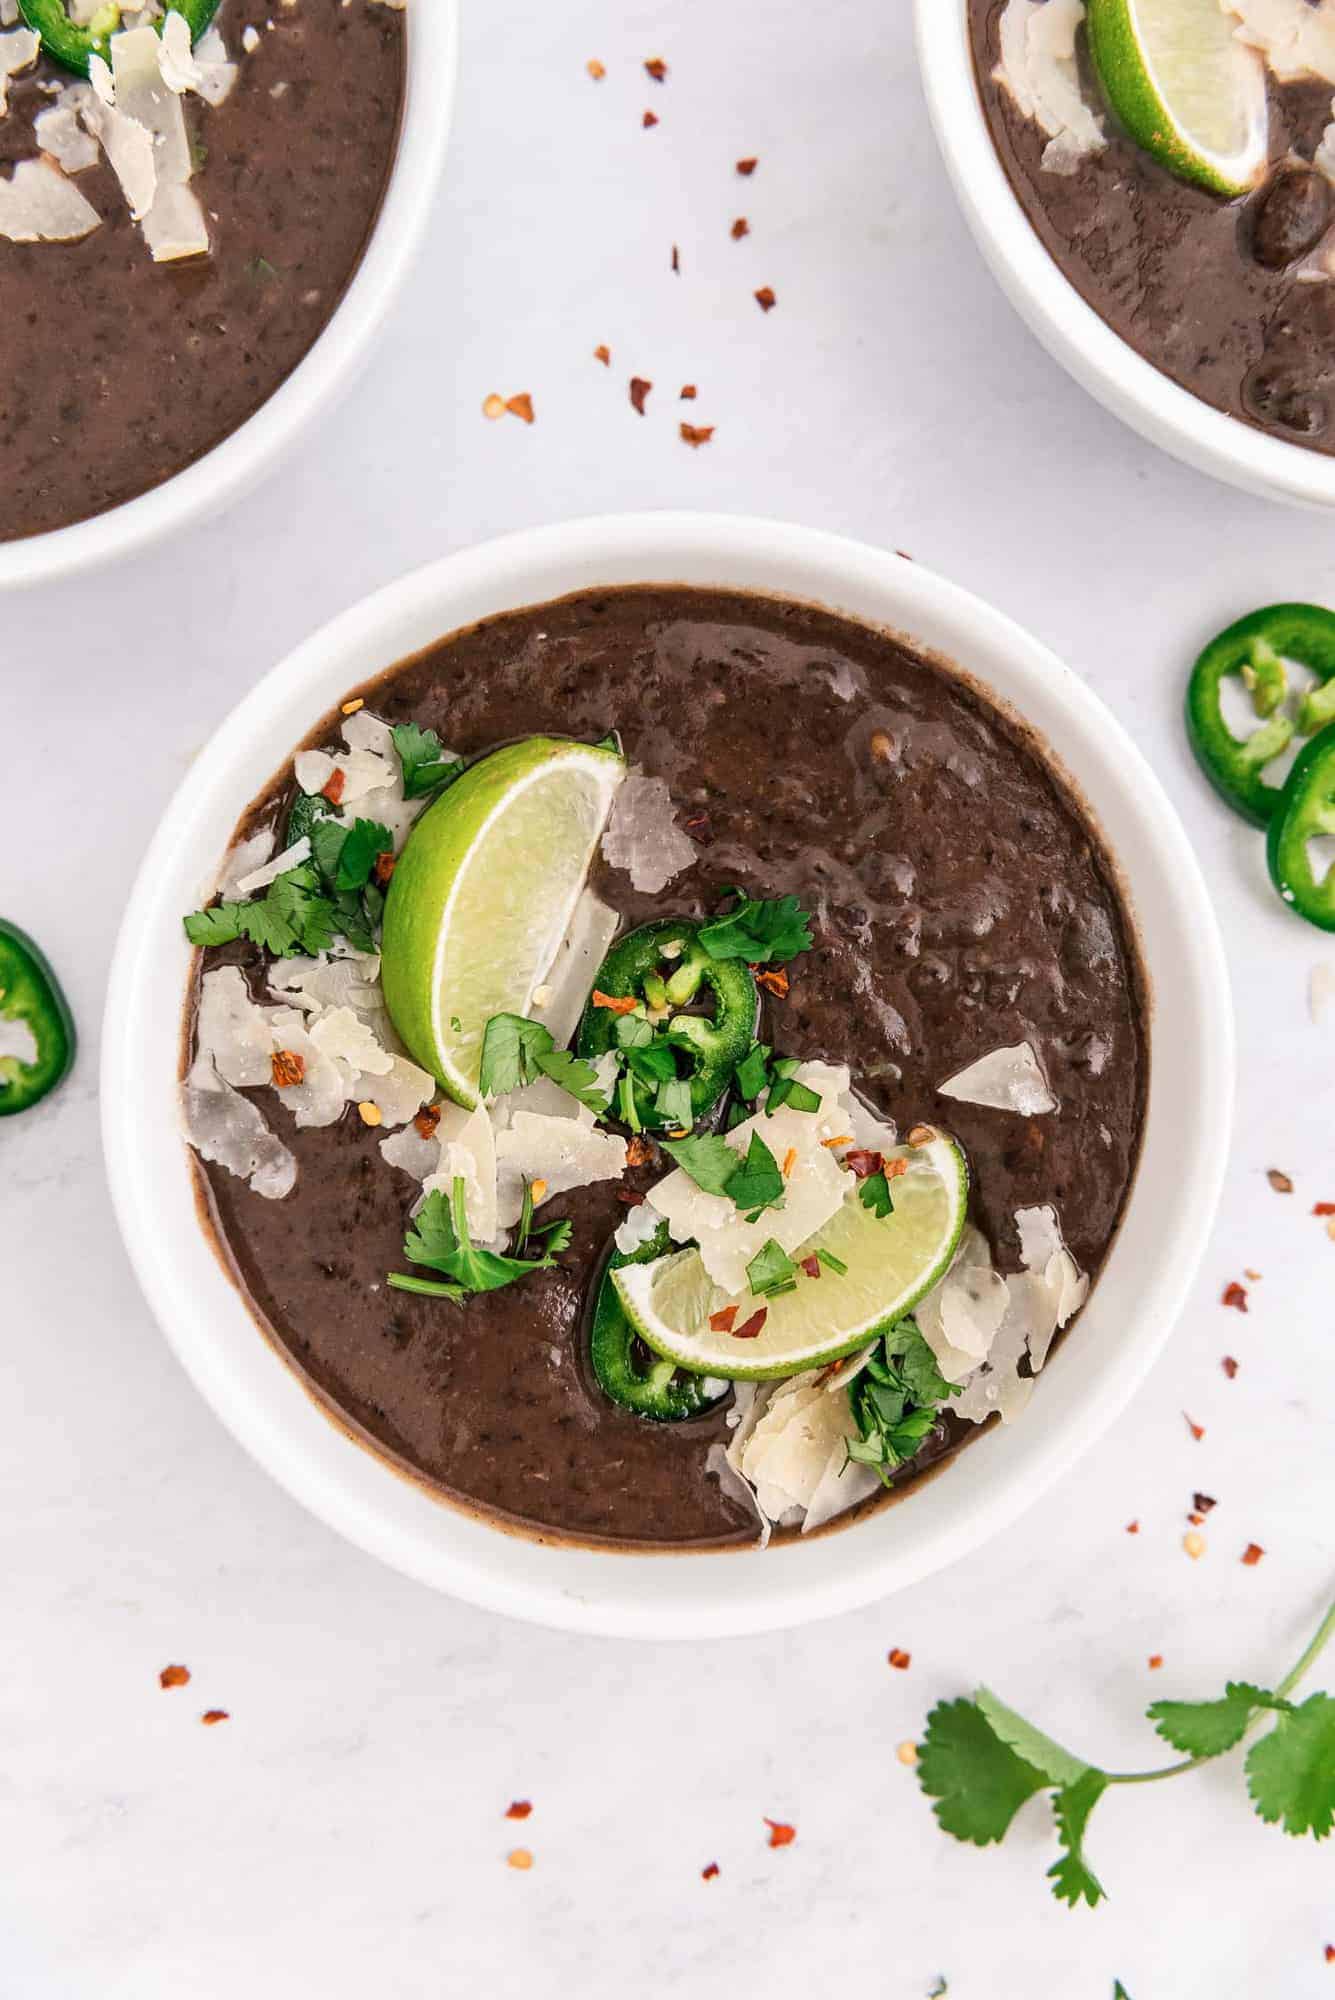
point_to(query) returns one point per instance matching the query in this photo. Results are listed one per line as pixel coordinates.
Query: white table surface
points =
(343, 1834)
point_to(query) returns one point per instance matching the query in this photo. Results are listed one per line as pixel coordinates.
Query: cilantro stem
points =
(1320, 1639)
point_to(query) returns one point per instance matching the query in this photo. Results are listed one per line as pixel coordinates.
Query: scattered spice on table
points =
(747, 167)
(1229, 1366)
(519, 1809)
(603, 354)
(639, 389)
(214, 1715)
(780, 1833)
(709, 1871)
(899, 1658)
(740, 228)
(174, 1677)
(596, 69)
(1155, 1662)
(1252, 1554)
(1323, 1208)
(521, 406)
(1194, 1543)
(697, 434)
(519, 1857)
(765, 298)
(656, 68)
(493, 406)
(650, 118)
(1133, 1527)
(676, 258)
(907, 1752)
(1235, 1295)
(1278, 1181)
(1197, 1430)
(1204, 1503)
(688, 392)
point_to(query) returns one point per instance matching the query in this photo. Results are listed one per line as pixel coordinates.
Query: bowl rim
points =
(1067, 325)
(236, 464)
(258, 1396)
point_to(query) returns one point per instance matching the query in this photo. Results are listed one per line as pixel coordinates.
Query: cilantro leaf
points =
(977, 1781)
(672, 1105)
(1291, 1771)
(874, 1193)
(711, 1162)
(1037, 1749)
(757, 1183)
(1119, 1991)
(366, 840)
(427, 765)
(632, 1031)
(753, 1071)
(220, 925)
(328, 838)
(439, 1239)
(763, 933)
(1208, 1728)
(1073, 1881)
(577, 1078)
(304, 815)
(772, 1271)
(917, 1364)
(652, 1063)
(787, 1090)
(511, 1047)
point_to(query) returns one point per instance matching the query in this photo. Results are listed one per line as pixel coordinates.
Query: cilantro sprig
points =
(761, 932)
(979, 1761)
(751, 1181)
(517, 1051)
(439, 1240)
(896, 1400)
(428, 767)
(334, 894)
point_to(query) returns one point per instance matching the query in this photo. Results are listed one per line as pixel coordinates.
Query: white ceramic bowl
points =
(236, 464)
(674, 1596)
(1131, 387)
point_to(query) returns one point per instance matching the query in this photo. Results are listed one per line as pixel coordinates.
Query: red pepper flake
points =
(811, 1265)
(214, 1715)
(750, 1330)
(614, 1003)
(747, 167)
(676, 258)
(288, 1068)
(173, 1677)
(1203, 1503)
(700, 824)
(789, 1161)
(862, 1164)
(520, 406)
(639, 1153)
(385, 864)
(774, 980)
(1197, 1430)
(725, 1320)
(709, 1871)
(596, 69)
(765, 298)
(899, 1658)
(1133, 1527)
(1252, 1554)
(333, 791)
(603, 353)
(639, 389)
(519, 1809)
(688, 392)
(740, 228)
(1195, 1519)
(656, 68)
(1281, 1183)
(1330, 1954)
(696, 434)
(1323, 1208)
(1230, 1367)
(1235, 1295)
(1155, 1662)
(649, 118)
(780, 1834)
(894, 1168)
(426, 1121)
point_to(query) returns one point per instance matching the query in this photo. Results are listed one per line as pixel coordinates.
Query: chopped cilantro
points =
(753, 1071)
(711, 1162)
(427, 765)
(757, 1184)
(632, 1031)
(439, 1239)
(786, 1089)
(763, 933)
(220, 925)
(833, 1263)
(672, 1105)
(516, 1052)
(772, 1271)
(577, 1078)
(874, 1193)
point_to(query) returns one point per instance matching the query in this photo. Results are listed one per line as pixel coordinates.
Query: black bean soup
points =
(1204, 288)
(951, 876)
(120, 371)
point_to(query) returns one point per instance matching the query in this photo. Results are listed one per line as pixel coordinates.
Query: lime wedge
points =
(483, 894)
(891, 1262)
(1185, 88)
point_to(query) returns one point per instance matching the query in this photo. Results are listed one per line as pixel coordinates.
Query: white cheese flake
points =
(466, 1143)
(19, 50)
(568, 981)
(642, 836)
(563, 1153)
(1039, 69)
(227, 1128)
(59, 133)
(269, 870)
(1296, 38)
(1005, 1079)
(38, 205)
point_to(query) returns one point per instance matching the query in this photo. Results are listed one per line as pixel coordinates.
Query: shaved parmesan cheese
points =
(569, 979)
(997, 1388)
(231, 1031)
(1040, 1236)
(323, 1091)
(316, 983)
(269, 871)
(242, 860)
(563, 1152)
(959, 1317)
(217, 72)
(642, 836)
(364, 731)
(411, 1153)
(59, 133)
(38, 205)
(344, 1037)
(791, 1448)
(638, 1228)
(175, 226)
(1006, 1079)
(1296, 38)
(1038, 68)
(364, 771)
(9, 13)
(399, 1093)
(1044, 1252)
(18, 51)
(227, 1128)
(467, 1146)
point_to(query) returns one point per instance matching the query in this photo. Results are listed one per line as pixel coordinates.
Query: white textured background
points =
(342, 1834)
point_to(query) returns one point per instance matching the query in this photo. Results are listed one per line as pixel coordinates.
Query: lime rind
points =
(1185, 88)
(893, 1262)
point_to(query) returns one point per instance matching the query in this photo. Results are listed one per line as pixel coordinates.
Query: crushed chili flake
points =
(351, 707)
(1330, 1954)
(789, 1161)
(696, 434)
(1252, 1554)
(288, 1068)
(1133, 1527)
(629, 1197)
(1197, 1430)
(333, 791)
(657, 68)
(1230, 1367)
(519, 1809)
(1254, 1276)
(385, 865)
(780, 1833)
(740, 228)
(212, 1715)
(688, 392)
(701, 825)
(1204, 1503)
(1155, 1662)
(521, 406)
(603, 353)
(709, 1871)
(899, 1658)
(519, 1857)
(1235, 1294)
(862, 1164)
(173, 1677)
(639, 1153)
(427, 1119)
(747, 167)
(1280, 1182)
(765, 298)
(493, 406)
(1195, 1519)
(676, 258)
(724, 1320)
(639, 389)
(595, 69)
(650, 118)
(839, 1139)
(894, 1168)
(774, 980)
(750, 1329)
(615, 1003)
(1323, 1208)
(811, 1265)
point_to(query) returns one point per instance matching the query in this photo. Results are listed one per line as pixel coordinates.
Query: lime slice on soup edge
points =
(483, 893)
(891, 1262)
(1185, 88)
